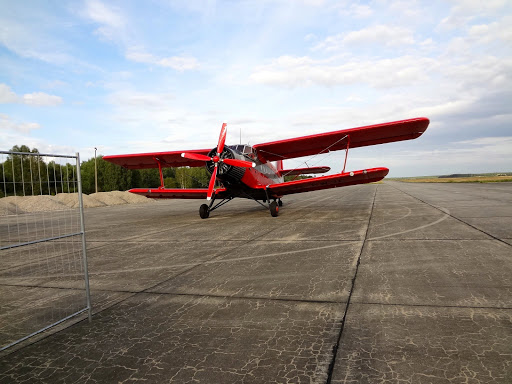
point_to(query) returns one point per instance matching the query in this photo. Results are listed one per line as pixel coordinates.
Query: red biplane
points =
(248, 172)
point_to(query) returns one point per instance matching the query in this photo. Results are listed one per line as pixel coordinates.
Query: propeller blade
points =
(222, 138)
(239, 163)
(212, 184)
(195, 156)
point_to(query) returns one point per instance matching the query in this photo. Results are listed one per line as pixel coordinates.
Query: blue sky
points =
(142, 76)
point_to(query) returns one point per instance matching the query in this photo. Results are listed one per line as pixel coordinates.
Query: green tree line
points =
(31, 175)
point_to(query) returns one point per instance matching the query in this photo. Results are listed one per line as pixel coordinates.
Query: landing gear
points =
(204, 211)
(279, 202)
(274, 209)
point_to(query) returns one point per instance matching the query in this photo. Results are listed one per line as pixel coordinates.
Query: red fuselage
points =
(246, 181)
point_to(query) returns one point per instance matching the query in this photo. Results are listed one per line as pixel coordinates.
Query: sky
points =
(161, 75)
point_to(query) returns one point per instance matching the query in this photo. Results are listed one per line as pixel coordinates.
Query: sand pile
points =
(68, 199)
(36, 203)
(23, 204)
(8, 207)
(110, 198)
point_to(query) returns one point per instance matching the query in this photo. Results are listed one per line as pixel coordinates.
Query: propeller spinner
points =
(217, 159)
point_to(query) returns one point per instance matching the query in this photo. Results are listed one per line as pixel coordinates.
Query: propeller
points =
(217, 159)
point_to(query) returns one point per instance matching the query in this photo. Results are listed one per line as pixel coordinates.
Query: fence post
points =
(82, 228)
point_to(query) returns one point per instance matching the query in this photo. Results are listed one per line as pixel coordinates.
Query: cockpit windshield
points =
(245, 150)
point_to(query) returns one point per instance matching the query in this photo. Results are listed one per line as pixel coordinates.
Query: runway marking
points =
(400, 218)
(301, 250)
(447, 215)
(456, 218)
(337, 244)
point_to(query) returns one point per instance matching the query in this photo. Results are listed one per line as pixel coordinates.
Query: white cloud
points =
(360, 11)
(114, 26)
(28, 40)
(7, 96)
(178, 63)
(383, 35)
(503, 144)
(7, 124)
(488, 154)
(41, 99)
(141, 99)
(111, 20)
(495, 31)
(354, 10)
(467, 10)
(139, 56)
(303, 71)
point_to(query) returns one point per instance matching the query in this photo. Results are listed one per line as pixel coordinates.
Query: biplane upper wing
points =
(151, 160)
(325, 182)
(338, 140)
(173, 193)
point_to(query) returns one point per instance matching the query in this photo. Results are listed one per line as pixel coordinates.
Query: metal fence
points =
(43, 255)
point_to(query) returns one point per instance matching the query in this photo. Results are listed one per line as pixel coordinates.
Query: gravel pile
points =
(24, 204)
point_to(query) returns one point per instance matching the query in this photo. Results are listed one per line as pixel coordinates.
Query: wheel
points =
(274, 209)
(280, 203)
(204, 211)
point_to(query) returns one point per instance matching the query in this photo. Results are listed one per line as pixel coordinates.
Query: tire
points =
(204, 211)
(274, 209)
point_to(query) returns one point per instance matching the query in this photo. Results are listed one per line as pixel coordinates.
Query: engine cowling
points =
(225, 172)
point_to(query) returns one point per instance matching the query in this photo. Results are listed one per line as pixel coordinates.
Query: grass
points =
(471, 179)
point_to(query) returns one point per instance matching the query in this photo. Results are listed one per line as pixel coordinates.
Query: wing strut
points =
(161, 173)
(346, 153)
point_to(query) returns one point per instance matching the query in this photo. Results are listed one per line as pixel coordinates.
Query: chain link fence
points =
(43, 269)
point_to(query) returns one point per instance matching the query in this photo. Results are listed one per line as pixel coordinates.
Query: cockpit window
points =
(246, 150)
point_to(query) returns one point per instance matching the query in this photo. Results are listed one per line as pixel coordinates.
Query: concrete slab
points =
(472, 210)
(308, 271)
(468, 273)
(246, 298)
(27, 227)
(27, 309)
(43, 254)
(484, 206)
(164, 338)
(433, 227)
(136, 266)
(499, 226)
(402, 344)
(398, 210)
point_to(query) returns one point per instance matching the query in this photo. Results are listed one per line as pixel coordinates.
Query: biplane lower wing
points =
(174, 193)
(325, 182)
(153, 160)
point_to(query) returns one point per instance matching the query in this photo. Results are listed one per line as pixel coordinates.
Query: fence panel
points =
(43, 268)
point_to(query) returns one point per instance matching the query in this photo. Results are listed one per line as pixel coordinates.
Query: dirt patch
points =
(13, 205)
